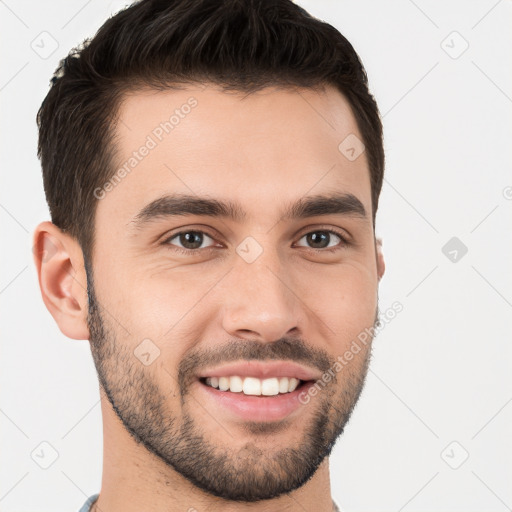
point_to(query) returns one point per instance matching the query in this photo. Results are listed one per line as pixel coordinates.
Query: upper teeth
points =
(254, 386)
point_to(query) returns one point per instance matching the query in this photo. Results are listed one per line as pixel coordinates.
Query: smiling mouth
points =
(254, 386)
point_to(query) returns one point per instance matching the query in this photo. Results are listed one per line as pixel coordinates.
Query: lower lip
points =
(256, 408)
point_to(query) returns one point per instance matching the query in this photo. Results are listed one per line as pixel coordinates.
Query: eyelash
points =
(188, 252)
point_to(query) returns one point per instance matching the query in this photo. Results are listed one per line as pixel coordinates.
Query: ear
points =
(381, 266)
(62, 279)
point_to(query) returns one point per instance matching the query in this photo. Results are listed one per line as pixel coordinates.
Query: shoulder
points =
(87, 505)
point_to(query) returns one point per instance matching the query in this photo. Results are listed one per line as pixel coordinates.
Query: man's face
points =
(267, 293)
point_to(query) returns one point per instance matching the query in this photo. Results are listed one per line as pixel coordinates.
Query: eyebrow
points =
(176, 205)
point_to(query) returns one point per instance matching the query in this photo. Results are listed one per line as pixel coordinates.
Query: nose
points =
(259, 302)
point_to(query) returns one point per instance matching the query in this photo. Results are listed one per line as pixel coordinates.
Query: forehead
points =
(262, 149)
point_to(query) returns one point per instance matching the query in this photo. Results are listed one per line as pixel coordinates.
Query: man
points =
(213, 170)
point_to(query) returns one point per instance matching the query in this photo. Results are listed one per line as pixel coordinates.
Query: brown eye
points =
(189, 240)
(318, 239)
(323, 239)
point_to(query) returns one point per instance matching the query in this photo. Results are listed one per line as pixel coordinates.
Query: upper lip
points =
(262, 370)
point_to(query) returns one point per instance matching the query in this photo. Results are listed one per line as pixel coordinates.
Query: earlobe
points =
(62, 279)
(381, 266)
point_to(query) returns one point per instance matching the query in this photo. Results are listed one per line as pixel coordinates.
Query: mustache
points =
(289, 349)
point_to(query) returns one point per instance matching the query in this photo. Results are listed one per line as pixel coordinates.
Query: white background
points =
(441, 369)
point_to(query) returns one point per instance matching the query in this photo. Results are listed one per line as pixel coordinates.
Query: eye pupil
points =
(314, 239)
(191, 239)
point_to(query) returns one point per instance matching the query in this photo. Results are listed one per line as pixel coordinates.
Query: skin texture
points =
(166, 446)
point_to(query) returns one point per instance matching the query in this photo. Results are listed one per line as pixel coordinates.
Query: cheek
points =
(161, 305)
(345, 299)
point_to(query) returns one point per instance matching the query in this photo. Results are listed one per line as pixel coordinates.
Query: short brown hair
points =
(240, 45)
